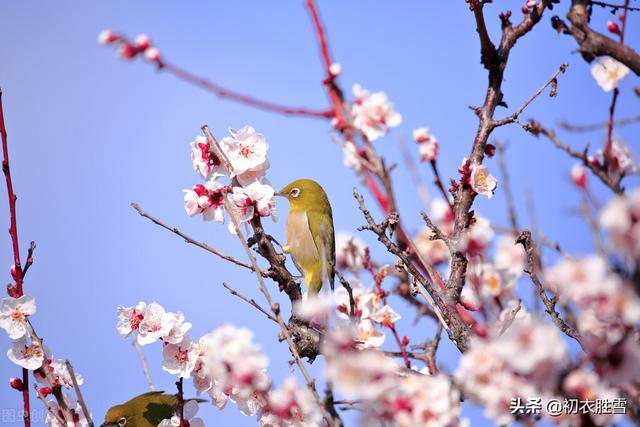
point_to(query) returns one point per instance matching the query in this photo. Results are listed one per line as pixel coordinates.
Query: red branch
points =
(241, 98)
(607, 150)
(13, 231)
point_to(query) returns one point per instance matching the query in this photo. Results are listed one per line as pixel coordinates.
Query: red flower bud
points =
(12, 291)
(613, 27)
(14, 273)
(525, 10)
(16, 383)
(405, 340)
(44, 391)
(490, 150)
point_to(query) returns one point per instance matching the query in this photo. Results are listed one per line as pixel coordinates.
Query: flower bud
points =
(44, 391)
(579, 175)
(613, 27)
(14, 272)
(16, 383)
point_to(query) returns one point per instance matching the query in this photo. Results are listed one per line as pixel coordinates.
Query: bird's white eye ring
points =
(295, 192)
(122, 422)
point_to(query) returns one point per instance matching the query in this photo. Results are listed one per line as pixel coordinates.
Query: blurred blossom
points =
(373, 114)
(350, 252)
(608, 72)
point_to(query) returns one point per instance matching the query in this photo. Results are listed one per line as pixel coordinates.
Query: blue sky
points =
(89, 134)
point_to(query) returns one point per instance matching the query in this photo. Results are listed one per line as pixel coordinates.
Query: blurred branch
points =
(597, 126)
(145, 366)
(506, 186)
(250, 301)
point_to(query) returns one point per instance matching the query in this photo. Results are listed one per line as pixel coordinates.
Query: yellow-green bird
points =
(310, 235)
(146, 410)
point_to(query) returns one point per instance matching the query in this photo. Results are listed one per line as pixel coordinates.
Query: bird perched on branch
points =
(310, 235)
(146, 410)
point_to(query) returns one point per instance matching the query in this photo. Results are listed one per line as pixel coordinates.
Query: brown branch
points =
(76, 387)
(345, 284)
(536, 129)
(593, 44)
(506, 187)
(553, 81)
(250, 301)
(457, 329)
(531, 269)
(464, 195)
(193, 241)
(13, 232)
(597, 126)
(613, 6)
(275, 307)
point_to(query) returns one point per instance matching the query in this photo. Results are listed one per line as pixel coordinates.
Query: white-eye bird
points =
(309, 233)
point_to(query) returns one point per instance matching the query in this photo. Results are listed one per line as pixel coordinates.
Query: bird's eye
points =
(122, 422)
(295, 192)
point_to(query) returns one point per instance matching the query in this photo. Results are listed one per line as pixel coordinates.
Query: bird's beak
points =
(279, 193)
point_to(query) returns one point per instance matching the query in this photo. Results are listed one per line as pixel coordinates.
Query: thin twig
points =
(552, 81)
(76, 387)
(145, 365)
(250, 301)
(506, 187)
(597, 126)
(275, 308)
(615, 7)
(193, 241)
(531, 269)
(422, 189)
(13, 231)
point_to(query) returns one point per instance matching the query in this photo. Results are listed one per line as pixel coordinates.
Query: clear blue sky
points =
(89, 134)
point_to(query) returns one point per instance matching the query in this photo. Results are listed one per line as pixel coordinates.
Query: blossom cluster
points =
(246, 152)
(129, 50)
(225, 364)
(28, 352)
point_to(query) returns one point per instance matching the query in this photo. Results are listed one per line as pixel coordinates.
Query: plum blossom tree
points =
(461, 271)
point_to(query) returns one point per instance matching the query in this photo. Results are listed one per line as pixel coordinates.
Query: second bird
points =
(310, 235)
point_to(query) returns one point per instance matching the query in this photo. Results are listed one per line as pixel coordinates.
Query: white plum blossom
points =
(129, 318)
(203, 159)
(61, 374)
(54, 416)
(361, 298)
(247, 151)
(418, 400)
(178, 328)
(385, 316)
(509, 256)
(482, 182)
(373, 114)
(189, 414)
(368, 336)
(233, 362)
(14, 314)
(608, 72)
(207, 199)
(525, 360)
(313, 307)
(156, 323)
(352, 158)
(254, 199)
(350, 252)
(620, 162)
(427, 144)
(365, 374)
(621, 220)
(291, 405)
(180, 358)
(478, 237)
(27, 355)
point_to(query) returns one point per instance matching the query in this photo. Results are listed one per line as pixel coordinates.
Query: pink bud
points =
(108, 37)
(335, 69)
(531, 4)
(14, 272)
(44, 391)
(579, 175)
(405, 340)
(152, 54)
(143, 42)
(127, 51)
(525, 10)
(16, 383)
(613, 27)
(12, 291)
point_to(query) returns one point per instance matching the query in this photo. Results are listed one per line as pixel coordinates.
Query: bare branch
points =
(506, 187)
(597, 126)
(76, 387)
(193, 241)
(145, 366)
(250, 301)
(532, 262)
